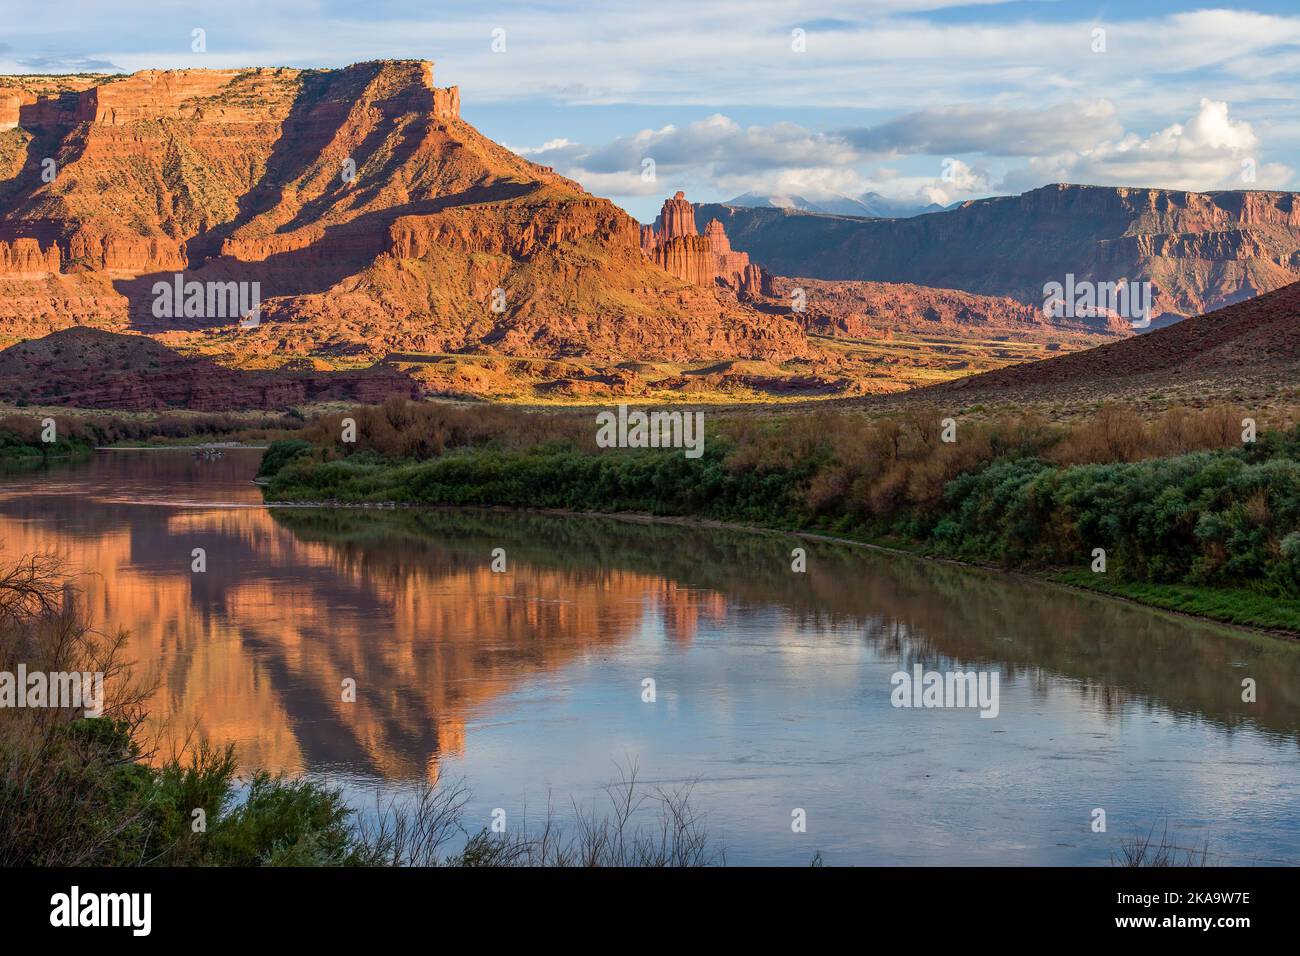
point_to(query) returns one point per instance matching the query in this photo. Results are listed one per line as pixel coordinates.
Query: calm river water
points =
(772, 688)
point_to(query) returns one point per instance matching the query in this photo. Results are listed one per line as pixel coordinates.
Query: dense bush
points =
(1214, 518)
(412, 430)
(280, 453)
(21, 440)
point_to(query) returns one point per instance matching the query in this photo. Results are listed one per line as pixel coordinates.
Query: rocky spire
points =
(677, 218)
(675, 246)
(717, 237)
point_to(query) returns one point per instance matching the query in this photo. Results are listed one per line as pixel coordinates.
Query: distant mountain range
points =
(871, 205)
(1199, 251)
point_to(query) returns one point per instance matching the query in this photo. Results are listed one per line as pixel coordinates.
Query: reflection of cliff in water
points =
(1122, 656)
(255, 649)
(294, 601)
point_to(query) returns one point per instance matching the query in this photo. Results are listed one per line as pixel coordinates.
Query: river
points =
(772, 689)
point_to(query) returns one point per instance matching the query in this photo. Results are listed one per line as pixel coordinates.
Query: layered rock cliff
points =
(368, 215)
(1199, 251)
(881, 309)
(676, 218)
(25, 259)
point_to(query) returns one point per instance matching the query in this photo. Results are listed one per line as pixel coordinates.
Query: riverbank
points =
(173, 445)
(77, 432)
(1209, 532)
(18, 452)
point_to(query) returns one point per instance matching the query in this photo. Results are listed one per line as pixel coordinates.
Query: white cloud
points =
(1209, 151)
(1080, 142)
(721, 54)
(999, 131)
(550, 146)
(717, 147)
(1210, 128)
(811, 182)
(627, 183)
(1026, 88)
(956, 180)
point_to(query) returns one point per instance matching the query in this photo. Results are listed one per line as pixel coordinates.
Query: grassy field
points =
(912, 361)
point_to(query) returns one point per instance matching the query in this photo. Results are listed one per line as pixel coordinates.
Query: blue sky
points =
(914, 99)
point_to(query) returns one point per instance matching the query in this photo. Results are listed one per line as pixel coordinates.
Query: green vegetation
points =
(1233, 605)
(280, 453)
(79, 433)
(21, 443)
(1189, 517)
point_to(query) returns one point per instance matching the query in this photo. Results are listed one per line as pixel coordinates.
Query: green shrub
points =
(1219, 517)
(280, 453)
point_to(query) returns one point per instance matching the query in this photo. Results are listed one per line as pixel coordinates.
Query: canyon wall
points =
(1199, 251)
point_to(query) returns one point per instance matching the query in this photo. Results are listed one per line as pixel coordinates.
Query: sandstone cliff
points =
(370, 215)
(880, 309)
(676, 218)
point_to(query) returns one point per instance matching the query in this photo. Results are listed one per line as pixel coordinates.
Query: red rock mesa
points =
(372, 216)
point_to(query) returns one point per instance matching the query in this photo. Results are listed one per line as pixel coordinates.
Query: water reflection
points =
(765, 674)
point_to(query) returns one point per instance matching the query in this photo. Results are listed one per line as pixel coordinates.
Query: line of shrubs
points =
(1179, 500)
(21, 434)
